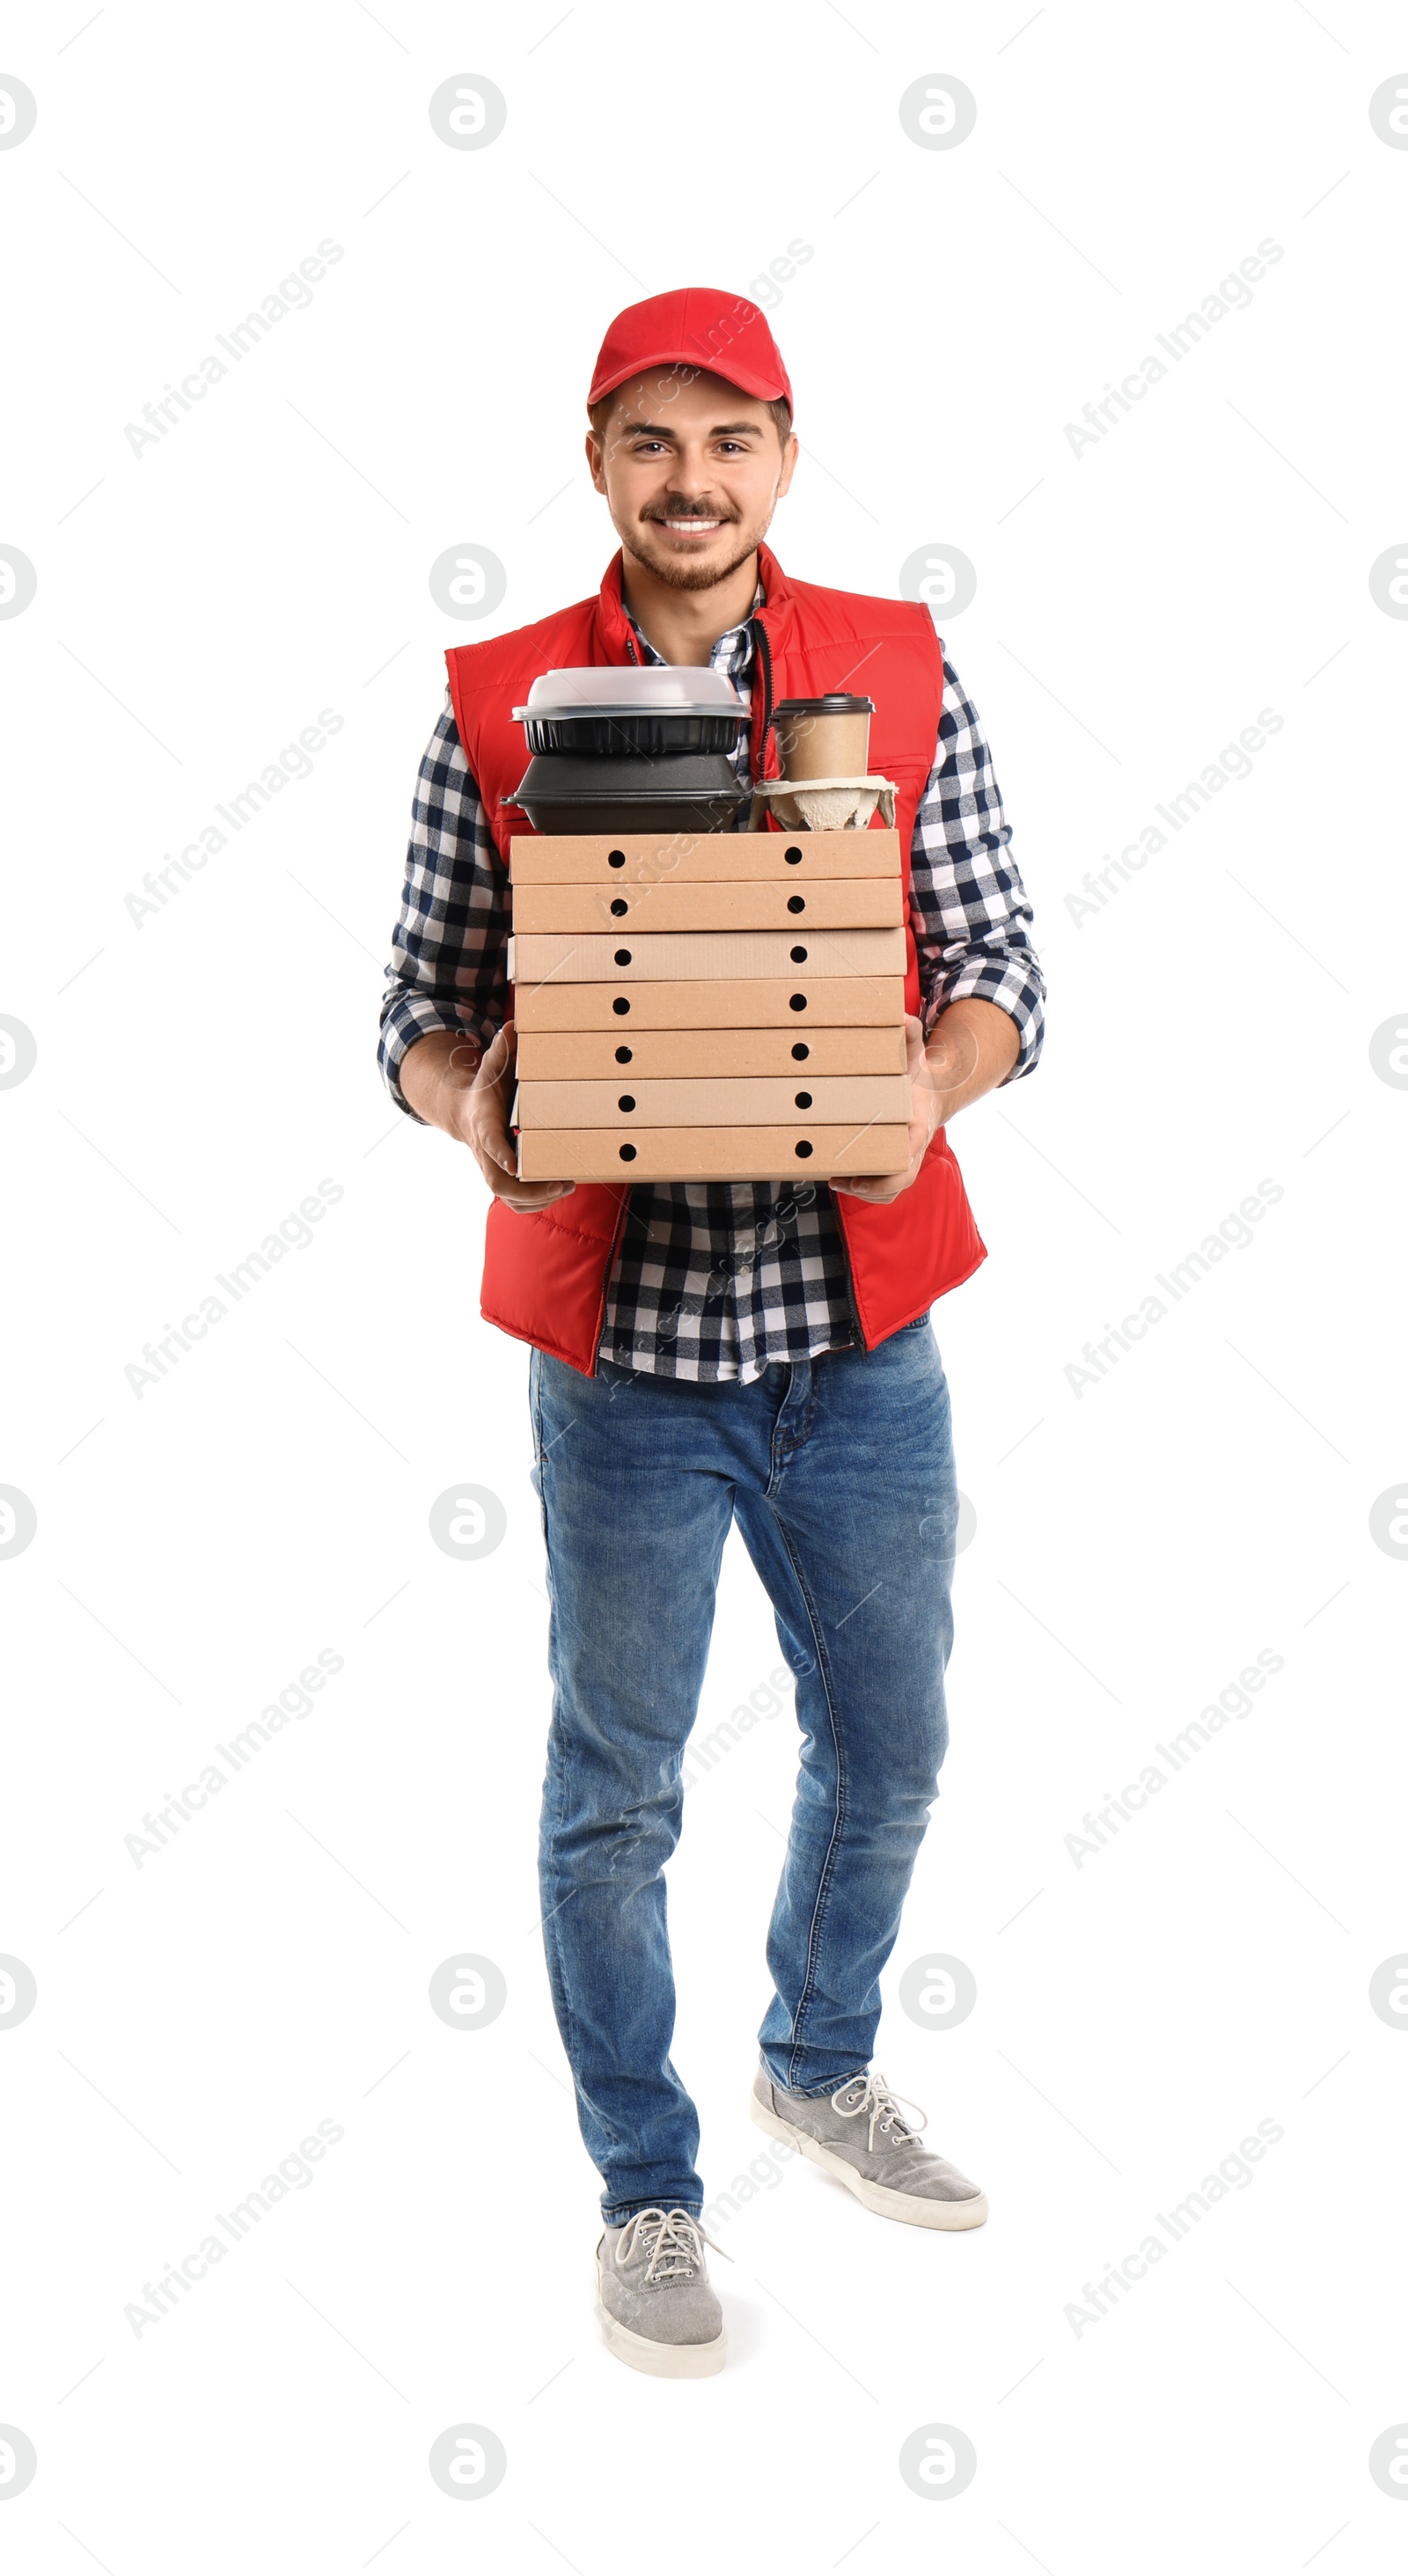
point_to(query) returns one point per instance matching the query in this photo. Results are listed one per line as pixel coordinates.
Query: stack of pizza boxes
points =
(694, 1002)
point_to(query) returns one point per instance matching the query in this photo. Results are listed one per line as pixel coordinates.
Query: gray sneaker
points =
(657, 2310)
(861, 2136)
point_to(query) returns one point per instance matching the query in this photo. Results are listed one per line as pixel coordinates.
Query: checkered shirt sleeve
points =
(449, 963)
(968, 907)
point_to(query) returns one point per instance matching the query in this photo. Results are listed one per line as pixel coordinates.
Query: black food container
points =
(564, 791)
(632, 750)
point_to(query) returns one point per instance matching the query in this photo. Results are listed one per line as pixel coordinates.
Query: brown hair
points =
(599, 413)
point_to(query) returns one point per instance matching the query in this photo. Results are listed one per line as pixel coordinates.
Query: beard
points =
(679, 573)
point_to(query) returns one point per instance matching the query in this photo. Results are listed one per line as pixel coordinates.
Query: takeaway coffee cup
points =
(824, 737)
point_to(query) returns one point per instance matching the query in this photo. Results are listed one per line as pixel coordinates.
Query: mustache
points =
(690, 510)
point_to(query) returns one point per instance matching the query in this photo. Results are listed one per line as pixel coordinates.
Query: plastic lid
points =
(836, 703)
(665, 688)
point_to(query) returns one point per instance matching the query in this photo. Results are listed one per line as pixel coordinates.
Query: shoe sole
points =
(903, 2205)
(660, 2360)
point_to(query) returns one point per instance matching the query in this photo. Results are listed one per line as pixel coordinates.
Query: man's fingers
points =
(495, 1062)
(546, 1191)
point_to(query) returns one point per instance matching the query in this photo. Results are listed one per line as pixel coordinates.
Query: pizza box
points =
(578, 1055)
(716, 955)
(699, 858)
(795, 1001)
(711, 1153)
(845, 903)
(724, 1101)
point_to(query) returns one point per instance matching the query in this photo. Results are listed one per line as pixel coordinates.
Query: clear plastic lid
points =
(665, 688)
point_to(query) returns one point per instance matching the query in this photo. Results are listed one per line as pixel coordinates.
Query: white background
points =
(1138, 1542)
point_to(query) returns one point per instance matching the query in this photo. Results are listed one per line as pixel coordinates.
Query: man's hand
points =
(973, 1048)
(446, 1083)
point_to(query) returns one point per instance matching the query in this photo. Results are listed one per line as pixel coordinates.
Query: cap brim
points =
(748, 380)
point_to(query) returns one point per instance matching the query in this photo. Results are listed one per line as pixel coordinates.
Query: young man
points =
(711, 1353)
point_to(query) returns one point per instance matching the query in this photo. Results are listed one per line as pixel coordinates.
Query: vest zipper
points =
(852, 1308)
(765, 657)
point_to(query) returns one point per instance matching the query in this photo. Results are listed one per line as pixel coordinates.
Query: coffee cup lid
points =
(835, 703)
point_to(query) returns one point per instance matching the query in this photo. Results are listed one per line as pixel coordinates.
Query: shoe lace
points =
(871, 2099)
(673, 2241)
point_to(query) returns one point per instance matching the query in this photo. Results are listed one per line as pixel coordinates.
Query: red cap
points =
(696, 326)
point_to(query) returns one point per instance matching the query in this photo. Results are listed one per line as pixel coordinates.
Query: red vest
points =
(545, 1276)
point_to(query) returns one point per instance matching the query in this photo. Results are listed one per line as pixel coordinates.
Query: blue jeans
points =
(839, 1472)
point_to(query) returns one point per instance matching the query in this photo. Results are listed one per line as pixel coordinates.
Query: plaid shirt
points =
(717, 1279)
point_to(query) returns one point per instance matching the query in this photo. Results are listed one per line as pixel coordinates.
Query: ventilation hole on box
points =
(798, 1002)
(804, 1100)
(793, 858)
(620, 1006)
(803, 1150)
(624, 1055)
(623, 956)
(796, 903)
(801, 1053)
(615, 858)
(799, 956)
(628, 1153)
(619, 908)
(626, 1101)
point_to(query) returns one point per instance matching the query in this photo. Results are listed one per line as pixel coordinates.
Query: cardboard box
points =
(579, 1055)
(794, 1002)
(711, 1153)
(845, 903)
(670, 991)
(700, 858)
(724, 1101)
(691, 955)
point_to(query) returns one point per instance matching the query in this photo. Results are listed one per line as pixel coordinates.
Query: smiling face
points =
(692, 471)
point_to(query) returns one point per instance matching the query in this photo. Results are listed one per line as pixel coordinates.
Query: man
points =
(711, 1353)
